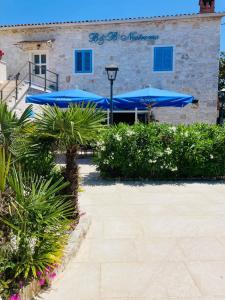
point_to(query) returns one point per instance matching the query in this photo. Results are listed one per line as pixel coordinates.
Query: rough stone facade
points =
(196, 41)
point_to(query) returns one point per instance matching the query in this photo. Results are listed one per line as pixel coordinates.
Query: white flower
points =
(33, 242)
(14, 242)
(211, 156)
(186, 134)
(129, 132)
(168, 151)
(118, 138)
(102, 148)
(100, 143)
(106, 162)
(174, 129)
(130, 164)
(151, 161)
(174, 169)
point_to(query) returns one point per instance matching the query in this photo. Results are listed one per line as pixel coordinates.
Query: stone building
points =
(179, 53)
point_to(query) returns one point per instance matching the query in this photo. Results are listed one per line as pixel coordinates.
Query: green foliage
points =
(222, 71)
(76, 125)
(11, 126)
(162, 151)
(36, 209)
(35, 154)
(4, 169)
(37, 220)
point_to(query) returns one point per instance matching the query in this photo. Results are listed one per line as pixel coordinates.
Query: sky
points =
(33, 11)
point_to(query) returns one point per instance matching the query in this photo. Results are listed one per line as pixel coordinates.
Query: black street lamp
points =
(111, 72)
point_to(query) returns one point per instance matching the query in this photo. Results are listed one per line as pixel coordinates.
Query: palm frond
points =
(4, 168)
(76, 125)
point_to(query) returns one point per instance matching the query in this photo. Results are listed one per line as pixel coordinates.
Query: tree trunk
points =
(72, 176)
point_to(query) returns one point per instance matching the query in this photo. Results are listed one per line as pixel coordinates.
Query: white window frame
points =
(153, 56)
(38, 52)
(74, 61)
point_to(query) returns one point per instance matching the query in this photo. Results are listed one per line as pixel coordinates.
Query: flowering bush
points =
(1, 53)
(162, 151)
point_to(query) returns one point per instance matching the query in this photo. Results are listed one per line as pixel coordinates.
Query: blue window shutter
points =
(87, 59)
(83, 61)
(78, 62)
(163, 59)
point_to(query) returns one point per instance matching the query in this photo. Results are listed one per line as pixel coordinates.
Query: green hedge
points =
(162, 151)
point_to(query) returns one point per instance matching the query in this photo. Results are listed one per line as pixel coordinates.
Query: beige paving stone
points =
(148, 241)
(158, 249)
(202, 249)
(129, 299)
(177, 281)
(79, 281)
(95, 230)
(183, 226)
(129, 280)
(199, 298)
(209, 276)
(122, 227)
(221, 239)
(113, 251)
(83, 254)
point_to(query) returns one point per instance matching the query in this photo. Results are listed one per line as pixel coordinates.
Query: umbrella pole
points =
(136, 115)
(108, 116)
(149, 114)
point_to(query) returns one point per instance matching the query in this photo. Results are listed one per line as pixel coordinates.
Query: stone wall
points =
(196, 41)
(3, 72)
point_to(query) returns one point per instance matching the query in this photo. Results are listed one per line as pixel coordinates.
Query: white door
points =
(40, 63)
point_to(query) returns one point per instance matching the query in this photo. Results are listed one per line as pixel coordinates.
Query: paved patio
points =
(148, 242)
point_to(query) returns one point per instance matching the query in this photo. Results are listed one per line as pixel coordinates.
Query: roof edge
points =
(113, 21)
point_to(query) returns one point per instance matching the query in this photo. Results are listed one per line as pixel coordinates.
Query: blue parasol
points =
(68, 97)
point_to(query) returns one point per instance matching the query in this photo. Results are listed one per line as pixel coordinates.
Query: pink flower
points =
(48, 269)
(52, 275)
(56, 265)
(82, 214)
(39, 273)
(14, 297)
(41, 282)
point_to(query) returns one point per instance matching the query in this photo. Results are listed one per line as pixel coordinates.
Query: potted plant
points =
(1, 54)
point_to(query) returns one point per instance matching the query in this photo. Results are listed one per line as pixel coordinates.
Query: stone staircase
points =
(14, 90)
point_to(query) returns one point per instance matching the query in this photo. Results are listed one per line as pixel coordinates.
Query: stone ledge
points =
(74, 243)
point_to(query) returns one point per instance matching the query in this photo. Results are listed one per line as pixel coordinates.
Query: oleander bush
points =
(162, 151)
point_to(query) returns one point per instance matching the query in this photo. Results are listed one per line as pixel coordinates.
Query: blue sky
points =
(31, 11)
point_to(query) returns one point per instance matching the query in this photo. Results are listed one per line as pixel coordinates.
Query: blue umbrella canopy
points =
(67, 97)
(143, 98)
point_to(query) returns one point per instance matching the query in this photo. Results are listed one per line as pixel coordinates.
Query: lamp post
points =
(111, 72)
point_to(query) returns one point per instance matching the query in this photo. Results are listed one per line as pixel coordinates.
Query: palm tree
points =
(11, 126)
(69, 129)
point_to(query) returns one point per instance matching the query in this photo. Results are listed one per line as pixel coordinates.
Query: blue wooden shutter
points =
(78, 61)
(83, 61)
(87, 61)
(163, 59)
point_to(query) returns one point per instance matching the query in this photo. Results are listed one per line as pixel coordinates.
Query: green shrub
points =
(35, 228)
(162, 151)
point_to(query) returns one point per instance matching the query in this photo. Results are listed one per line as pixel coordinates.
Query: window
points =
(163, 59)
(40, 61)
(83, 61)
